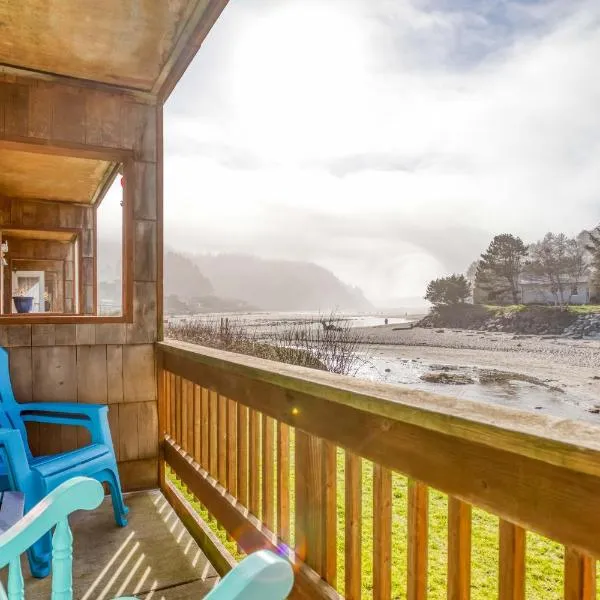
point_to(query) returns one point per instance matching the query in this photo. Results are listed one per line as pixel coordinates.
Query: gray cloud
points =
(387, 139)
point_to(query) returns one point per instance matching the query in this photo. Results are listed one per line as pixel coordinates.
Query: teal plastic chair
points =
(261, 576)
(79, 493)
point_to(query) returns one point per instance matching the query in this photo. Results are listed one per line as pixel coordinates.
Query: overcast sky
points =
(387, 140)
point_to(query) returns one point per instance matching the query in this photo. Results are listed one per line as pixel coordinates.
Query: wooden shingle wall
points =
(112, 363)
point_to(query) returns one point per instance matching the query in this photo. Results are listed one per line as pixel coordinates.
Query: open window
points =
(62, 220)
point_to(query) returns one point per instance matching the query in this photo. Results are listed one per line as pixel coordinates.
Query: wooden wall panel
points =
(103, 362)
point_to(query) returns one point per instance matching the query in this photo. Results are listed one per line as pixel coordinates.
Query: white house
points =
(538, 290)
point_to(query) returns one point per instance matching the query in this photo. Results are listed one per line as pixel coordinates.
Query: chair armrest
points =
(262, 575)
(14, 454)
(77, 493)
(94, 417)
(90, 411)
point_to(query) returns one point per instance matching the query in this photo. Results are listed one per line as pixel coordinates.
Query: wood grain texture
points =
(248, 532)
(511, 579)
(283, 482)
(509, 472)
(268, 472)
(242, 453)
(232, 447)
(222, 440)
(254, 463)
(459, 550)
(418, 524)
(382, 533)
(330, 530)
(353, 527)
(197, 409)
(205, 429)
(213, 420)
(580, 576)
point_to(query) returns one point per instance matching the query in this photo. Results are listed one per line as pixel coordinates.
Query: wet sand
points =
(573, 365)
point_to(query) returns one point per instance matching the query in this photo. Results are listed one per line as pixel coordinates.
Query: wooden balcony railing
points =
(291, 458)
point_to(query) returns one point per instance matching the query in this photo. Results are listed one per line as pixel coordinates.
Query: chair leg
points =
(40, 556)
(116, 495)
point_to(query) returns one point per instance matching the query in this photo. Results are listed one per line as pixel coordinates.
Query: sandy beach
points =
(570, 364)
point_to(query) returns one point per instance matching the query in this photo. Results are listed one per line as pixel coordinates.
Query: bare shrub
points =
(326, 344)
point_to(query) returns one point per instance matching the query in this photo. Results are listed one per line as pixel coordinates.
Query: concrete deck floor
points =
(153, 558)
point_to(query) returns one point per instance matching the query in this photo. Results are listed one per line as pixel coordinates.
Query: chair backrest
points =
(78, 493)
(10, 417)
(260, 576)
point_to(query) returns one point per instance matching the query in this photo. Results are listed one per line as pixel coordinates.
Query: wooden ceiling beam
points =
(188, 44)
(138, 94)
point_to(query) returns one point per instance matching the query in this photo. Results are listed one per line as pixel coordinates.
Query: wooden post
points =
(418, 509)
(353, 548)
(580, 576)
(511, 580)
(459, 550)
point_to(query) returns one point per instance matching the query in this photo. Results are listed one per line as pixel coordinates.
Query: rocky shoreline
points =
(575, 352)
(532, 320)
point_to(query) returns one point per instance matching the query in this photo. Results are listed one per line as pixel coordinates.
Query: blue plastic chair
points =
(261, 576)
(37, 476)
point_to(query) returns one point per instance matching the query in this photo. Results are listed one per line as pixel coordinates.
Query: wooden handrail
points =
(535, 472)
(562, 442)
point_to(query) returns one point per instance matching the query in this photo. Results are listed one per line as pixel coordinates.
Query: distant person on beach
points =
(386, 321)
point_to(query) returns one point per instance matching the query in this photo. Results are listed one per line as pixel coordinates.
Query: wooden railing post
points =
(580, 576)
(313, 510)
(459, 550)
(512, 562)
(418, 523)
(162, 379)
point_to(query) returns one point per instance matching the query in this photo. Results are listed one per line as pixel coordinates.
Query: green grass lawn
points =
(577, 309)
(544, 557)
(584, 309)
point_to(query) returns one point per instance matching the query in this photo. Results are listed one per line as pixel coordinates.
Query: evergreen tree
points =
(454, 289)
(500, 266)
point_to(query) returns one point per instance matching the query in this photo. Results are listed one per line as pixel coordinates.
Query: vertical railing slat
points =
(197, 411)
(353, 518)
(183, 391)
(254, 463)
(283, 482)
(459, 550)
(268, 472)
(213, 434)
(418, 505)
(580, 576)
(232, 447)
(242, 453)
(222, 441)
(172, 411)
(511, 580)
(330, 514)
(189, 395)
(205, 429)
(382, 532)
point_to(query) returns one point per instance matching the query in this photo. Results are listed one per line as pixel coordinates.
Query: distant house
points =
(539, 290)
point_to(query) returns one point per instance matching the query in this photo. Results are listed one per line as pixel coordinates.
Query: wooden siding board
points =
(54, 373)
(145, 256)
(114, 371)
(139, 373)
(92, 374)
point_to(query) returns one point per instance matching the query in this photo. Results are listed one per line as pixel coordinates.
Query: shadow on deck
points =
(154, 557)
